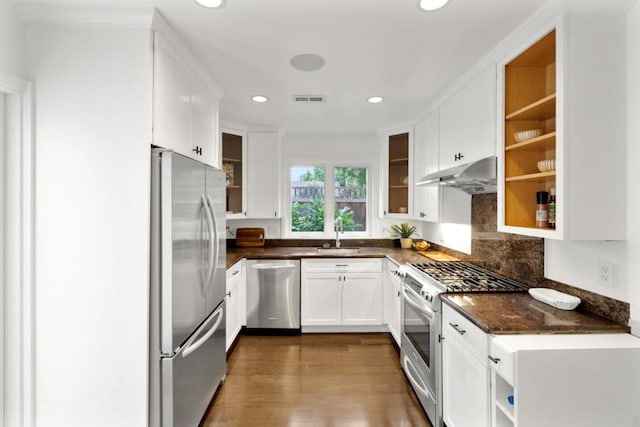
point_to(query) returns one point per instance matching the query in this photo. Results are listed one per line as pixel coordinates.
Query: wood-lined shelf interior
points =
(232, 165)
(530, 103)
(398, 166)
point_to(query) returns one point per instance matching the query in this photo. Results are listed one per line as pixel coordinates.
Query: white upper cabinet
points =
(426, 199)
(468, 122)
(568, 82)
(263, 175)
(185, 109)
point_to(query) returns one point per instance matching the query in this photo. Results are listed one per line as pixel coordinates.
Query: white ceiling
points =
(371, 47)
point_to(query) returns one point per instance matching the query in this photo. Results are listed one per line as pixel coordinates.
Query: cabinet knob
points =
(275, 213)
(229, 294)
(197, 150)
(494, 359)
(458, 156)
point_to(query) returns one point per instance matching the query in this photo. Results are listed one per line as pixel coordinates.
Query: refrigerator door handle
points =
(216, 241)
(206, 279)
(192, 346)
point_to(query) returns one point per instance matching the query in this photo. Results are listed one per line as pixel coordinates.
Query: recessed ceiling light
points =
(211, 3)
(259, 98)
(431, 4)
(375, 99)
(307, 62)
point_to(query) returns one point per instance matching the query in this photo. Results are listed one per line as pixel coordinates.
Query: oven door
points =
(420, 335)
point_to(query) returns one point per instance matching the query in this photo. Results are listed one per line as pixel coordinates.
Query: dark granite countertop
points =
(519, 313)
(400, 256)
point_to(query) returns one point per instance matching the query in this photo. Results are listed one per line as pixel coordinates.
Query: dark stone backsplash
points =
(522, 258)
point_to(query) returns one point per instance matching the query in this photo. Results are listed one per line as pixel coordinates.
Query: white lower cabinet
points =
(570, 380)
(565, 380)
(393, 289)
(333, 294)
(235, 301)
(465, 374)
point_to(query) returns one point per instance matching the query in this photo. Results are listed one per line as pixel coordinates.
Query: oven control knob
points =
(422, 293)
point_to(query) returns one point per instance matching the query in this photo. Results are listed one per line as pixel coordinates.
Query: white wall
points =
(93, 133)
(11, 41)
(633, 172)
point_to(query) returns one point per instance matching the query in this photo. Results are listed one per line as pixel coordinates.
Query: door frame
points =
(18, 403)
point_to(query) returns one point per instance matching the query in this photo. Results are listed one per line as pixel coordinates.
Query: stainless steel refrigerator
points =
(187, 288)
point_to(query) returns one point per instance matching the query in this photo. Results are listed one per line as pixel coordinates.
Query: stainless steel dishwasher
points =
(273, 296)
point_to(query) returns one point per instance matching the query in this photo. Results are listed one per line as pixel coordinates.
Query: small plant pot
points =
(406, 243)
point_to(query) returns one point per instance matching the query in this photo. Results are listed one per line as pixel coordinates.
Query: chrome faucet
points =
(338, 226)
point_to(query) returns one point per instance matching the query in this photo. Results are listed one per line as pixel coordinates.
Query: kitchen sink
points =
(338, 251)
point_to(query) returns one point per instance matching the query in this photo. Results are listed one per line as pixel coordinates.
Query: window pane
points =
(307, 199)
(351, 197)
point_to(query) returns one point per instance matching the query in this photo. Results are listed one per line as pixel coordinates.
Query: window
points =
(320, 193)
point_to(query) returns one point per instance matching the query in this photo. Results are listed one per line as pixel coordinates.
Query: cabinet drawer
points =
(456, 326)
(502, 359)
(234, 271)
(342, 265)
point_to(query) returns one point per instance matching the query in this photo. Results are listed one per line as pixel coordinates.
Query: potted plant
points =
(404, 231)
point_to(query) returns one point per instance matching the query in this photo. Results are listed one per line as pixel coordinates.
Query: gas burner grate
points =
(458, 276)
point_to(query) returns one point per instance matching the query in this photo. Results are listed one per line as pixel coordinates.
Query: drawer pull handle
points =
(495, 360)
(342, 265)
(458, 330)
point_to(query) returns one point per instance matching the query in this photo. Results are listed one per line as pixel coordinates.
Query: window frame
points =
(329, 198)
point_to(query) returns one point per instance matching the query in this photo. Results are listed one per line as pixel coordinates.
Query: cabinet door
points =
(465, 386)
(394, 302)
(232, 307)
(479, 117)
(362, 299)
(204, 122)
(426, 152)
(263, 153)
(172, 100)
(451, 132)
(321, 300)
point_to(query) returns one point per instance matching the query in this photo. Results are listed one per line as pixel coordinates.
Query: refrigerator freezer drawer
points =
(190, 378)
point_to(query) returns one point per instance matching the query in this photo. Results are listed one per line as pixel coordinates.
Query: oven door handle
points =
(419, 386)
(420, 307)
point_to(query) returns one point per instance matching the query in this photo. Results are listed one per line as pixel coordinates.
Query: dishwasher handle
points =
(272, 267)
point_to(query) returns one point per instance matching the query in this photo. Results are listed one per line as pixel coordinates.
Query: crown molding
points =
(78, 15)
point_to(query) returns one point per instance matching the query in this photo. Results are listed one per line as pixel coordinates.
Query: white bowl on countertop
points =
(555, 298)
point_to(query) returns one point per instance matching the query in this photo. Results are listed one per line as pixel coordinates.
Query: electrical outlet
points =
(606, 273)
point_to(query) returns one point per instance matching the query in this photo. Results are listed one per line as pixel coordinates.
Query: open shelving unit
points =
(530, 103)
(398, 155)
(232, 164)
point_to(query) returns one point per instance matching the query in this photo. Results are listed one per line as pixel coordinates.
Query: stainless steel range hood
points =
(477, 177)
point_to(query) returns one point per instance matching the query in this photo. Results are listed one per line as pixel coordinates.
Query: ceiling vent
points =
(309, 99)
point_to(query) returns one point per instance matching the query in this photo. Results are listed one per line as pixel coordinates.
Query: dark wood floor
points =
(315, 380)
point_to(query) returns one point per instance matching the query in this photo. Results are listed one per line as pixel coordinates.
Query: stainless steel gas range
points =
(422, 316)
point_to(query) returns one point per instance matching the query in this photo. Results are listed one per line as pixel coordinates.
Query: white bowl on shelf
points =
(546, 165)
(527, 134)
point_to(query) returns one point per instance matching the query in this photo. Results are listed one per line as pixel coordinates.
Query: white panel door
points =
(465, 387)
(233, 309)
(204, 122)
(394, 301)
(479, 116)
(321, 300)
(172, 100)
(426, 155)
(362, 299)
(451, 132)
(263, 193)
